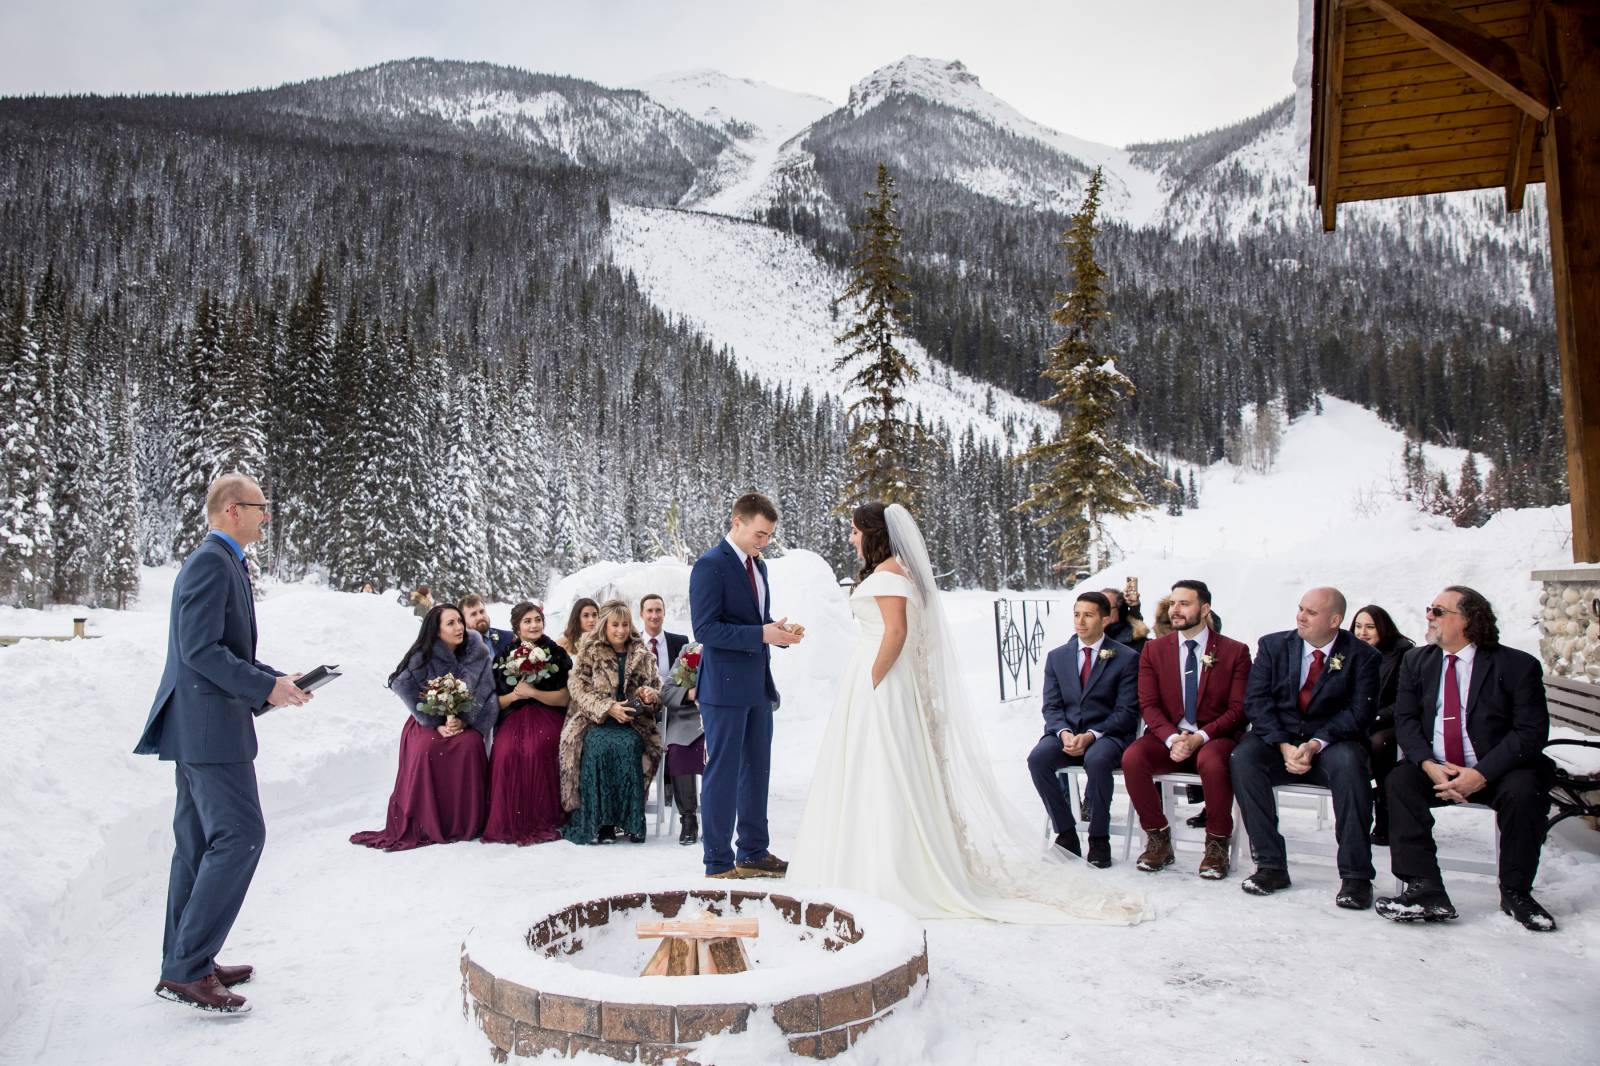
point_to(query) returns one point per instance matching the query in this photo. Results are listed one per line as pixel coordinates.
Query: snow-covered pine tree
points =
(196, 461)
(239, 404)
(26, 528)
(455, 506)
(118, 577)
(77, 470)
(882, 439)
(304, 431)
(1085, 473)
(518, 488)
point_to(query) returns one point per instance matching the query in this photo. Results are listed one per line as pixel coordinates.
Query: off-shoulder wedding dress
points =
(903, 803)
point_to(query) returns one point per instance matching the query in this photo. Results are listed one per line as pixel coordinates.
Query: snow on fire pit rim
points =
(890, 937)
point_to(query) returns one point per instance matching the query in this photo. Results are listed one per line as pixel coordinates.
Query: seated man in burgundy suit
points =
(1191, 694)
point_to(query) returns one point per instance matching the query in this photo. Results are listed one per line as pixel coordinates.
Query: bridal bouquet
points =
(686, 671)
(527, 662)
(447, 695)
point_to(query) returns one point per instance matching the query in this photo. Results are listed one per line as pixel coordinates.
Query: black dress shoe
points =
(690, 833)
(606, 834)
(1068, 841)
(1196, 821)
(1100, 852)
(1525, 909)
(1355, 894)
(1265, 881)
(768, 865)
(1424, 900)
(636, 838)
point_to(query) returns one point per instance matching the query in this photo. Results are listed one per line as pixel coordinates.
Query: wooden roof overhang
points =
(1424, 96)
(1411, 97)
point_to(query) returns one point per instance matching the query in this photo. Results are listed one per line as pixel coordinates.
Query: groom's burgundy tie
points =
(1454, 750)
(750, 570)
(1088, 662)
(1311, 680)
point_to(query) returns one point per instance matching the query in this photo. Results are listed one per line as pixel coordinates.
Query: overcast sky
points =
(1115, 71)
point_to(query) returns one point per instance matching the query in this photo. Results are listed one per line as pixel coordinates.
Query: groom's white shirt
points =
(761, 582)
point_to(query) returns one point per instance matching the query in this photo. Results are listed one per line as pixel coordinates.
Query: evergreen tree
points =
(197, 462)
(883, 441)
(1470, 506)
(1085, 474)
(26, 529)
(77, 471)
(118, 576)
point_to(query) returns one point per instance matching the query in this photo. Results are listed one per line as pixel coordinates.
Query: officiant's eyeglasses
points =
(265, 505)
(1435, 611)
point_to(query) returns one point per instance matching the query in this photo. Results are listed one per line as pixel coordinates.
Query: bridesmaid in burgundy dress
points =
(440, 789)
(524, 768)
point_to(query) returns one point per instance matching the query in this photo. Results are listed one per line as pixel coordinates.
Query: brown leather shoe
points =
(1214, 867)
(1157, 849)
(737, 873)
(232, 975)
(768, 865)
(205, 994)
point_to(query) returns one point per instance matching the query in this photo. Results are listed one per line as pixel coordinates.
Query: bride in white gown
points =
(903, 803)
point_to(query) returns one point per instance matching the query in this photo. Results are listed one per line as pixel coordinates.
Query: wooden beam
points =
(1502, 67)
(1332, 88)
(1571, 37)
(1519, 161)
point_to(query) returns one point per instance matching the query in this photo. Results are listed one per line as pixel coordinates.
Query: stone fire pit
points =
(565, 978)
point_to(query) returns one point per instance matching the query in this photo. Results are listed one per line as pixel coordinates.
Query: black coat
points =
(1341, 704)
(1508, 721)
(1389, 682)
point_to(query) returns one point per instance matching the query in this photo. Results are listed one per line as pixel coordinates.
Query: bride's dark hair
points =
(875, 547)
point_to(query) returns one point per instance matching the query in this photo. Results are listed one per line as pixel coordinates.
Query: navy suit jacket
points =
(1342, 704)
(1109, 704)
(1508, 720)
(735, 664)
(212, 681)
(500, 642)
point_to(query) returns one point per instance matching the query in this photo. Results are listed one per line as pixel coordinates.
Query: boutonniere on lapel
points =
(1106, 653)
(1336, 662)
(1209, 659)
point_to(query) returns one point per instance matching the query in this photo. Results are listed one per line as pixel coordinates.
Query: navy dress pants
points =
(1102, 758)
(733, 790)
(1341, 768)
(218, 833)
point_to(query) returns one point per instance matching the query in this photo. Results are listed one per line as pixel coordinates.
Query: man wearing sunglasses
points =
(202, 722)
(1471, 721)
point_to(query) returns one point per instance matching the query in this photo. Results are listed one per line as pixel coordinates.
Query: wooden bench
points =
(1573, 703)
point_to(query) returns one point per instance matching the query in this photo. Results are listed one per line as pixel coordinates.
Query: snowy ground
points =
(357, 949)
(767, 297)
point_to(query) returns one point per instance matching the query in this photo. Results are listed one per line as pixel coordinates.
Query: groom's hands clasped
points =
(782, 633)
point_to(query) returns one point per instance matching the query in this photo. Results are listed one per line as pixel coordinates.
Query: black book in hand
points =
(309, 681)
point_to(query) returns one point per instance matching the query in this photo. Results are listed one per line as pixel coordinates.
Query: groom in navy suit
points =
(1091, 711)
(202, 722)
(730, 608)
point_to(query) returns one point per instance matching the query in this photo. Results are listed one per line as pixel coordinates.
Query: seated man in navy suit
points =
(1091, 709)
(1310, 697)
(476, 614)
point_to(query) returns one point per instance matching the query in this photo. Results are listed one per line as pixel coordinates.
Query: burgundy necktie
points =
(1311, 680)
(1083, 675)
(1454, 751)
(750, 569)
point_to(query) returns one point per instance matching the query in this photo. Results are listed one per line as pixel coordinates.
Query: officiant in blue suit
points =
(1091, 712)
(202, 721)
(730, 608)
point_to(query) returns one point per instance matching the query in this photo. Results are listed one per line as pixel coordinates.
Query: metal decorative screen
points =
(1019, 634)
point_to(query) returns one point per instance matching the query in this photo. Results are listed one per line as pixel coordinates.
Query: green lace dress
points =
(610, 786)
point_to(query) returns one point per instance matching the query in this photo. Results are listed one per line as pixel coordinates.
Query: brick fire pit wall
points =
(546, 1003)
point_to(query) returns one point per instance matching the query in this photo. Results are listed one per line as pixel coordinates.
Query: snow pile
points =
(357, 950)
(770, 300)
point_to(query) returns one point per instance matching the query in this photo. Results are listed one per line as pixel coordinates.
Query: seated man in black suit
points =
(1309, 700)
(1471, 721)
(1091, 710)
